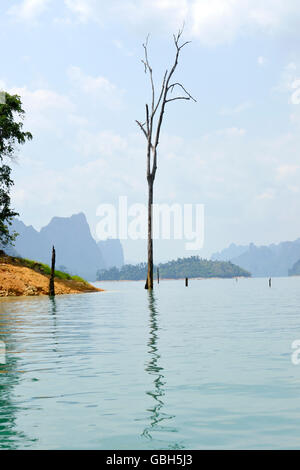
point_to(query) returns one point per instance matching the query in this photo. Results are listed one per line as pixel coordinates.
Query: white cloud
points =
(261, 61)
(236, 109)
(290, 82)
(99, 87)
(295, 97)
(232, 131)
(136, 13)
(286, 171)
(82, 186)
(290, 85)
(269, 194)
(45, 109)
(104, 143)
(216, 21)
(225, 172)
(120, 45)
(293, 189)
(28, 10)
(222, 21)
(83, 9)
(212, 22)
(228, 132)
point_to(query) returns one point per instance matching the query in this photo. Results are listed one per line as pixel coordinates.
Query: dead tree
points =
(51, 281)
(151, 129)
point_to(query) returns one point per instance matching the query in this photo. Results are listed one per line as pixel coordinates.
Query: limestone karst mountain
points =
(112, 252)
(263, 261)
(76, 249)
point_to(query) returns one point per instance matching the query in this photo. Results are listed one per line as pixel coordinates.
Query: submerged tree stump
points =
(51, 282)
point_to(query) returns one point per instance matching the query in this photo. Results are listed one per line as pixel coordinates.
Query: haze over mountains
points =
(263, 261)
(78, 253)
(76, 250)
(112, 252)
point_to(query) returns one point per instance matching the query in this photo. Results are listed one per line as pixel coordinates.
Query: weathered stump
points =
(51, 282)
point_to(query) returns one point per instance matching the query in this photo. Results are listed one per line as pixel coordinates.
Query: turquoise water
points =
(204, 367)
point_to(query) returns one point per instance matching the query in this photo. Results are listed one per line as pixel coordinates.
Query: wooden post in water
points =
(186, 282)
(51, 282)
(157, 275)
(270, 282)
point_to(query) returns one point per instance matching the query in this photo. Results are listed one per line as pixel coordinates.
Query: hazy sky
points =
(76, 65)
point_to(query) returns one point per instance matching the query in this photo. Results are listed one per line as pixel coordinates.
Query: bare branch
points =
(148, 67)
(161, 93)
(147, 119)
(142, 128)
(177, 38)
(171, 87)
(161, 102)
(178, 98)
(184, 44)
(165, 92)
(145, 65)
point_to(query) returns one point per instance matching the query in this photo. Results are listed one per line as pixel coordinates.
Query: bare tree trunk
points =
(151, 131)
(51, 282)
(149, 280)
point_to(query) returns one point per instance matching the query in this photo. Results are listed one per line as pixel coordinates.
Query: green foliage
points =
(192, 267)
(45, 269)
(11, 135)
(78, 279)
(6, 213)
(128, 272)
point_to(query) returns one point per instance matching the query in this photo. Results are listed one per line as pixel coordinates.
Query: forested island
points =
(193, 267)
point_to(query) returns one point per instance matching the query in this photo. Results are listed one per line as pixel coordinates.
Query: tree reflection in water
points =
(157, 417)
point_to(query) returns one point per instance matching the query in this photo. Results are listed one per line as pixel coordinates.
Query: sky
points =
(77, 66)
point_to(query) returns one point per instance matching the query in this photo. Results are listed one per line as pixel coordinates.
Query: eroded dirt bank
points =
(18, 280)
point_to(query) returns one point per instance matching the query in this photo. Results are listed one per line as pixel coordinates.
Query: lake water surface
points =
(207, 366)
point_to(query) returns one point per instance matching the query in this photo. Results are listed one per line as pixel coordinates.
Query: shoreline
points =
(19, 280)
(177, 279)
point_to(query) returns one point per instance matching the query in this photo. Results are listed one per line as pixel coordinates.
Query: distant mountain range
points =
(233, 251)
(112, 252)
(264, 261)
(295, 270)
(76, 250)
